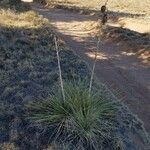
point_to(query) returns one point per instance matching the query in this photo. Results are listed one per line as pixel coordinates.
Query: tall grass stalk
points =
(96, 54)
(94, 65)
(59, 67)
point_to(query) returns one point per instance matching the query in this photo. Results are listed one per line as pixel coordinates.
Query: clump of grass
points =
(29, 19)
(81, 120)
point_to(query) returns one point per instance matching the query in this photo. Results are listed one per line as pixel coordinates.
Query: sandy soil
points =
(120, 70)
(27, 1)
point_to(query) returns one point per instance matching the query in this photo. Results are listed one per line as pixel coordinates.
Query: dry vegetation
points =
(132, 6)
(28, 72)
(128, 19)
(22, 20)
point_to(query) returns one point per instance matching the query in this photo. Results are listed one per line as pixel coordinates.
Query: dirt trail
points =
(115, 67)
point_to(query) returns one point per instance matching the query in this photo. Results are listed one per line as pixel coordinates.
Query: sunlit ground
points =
(27, 0)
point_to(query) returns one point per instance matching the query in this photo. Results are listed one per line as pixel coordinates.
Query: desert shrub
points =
(80, 121)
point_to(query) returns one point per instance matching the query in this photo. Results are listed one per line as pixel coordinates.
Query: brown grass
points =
(27, 19)
(132, 6)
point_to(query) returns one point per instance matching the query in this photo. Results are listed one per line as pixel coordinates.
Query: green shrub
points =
(80, 120)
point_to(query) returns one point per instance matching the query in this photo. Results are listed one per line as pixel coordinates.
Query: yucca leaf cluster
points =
(79, 120)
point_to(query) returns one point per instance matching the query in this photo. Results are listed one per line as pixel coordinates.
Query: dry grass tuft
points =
(30, 19)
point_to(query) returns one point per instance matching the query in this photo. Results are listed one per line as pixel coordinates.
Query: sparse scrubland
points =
(33, 115)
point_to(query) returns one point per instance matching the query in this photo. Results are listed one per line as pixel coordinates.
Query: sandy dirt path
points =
(115, 67)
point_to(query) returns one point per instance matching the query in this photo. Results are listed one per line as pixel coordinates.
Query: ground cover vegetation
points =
(33, 114)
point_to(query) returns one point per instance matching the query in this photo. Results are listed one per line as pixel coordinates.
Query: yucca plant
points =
(81, 120)
(77, 117)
